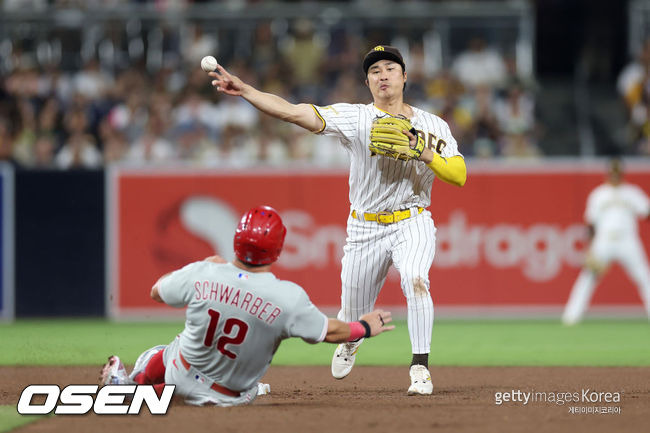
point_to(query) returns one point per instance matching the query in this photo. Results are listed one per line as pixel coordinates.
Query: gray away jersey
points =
(379, 183)
(235, 320)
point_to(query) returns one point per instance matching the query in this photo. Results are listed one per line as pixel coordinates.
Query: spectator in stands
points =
(479, 65)
(199, 44)
(458, 116)
(272, 147)
(130, 117)
(484, 135)
(138, 113)
(23, 145)
(50, 118)
(91, 82)
(264, 52)
(79, 150)
(6, 141)
(634, 87)
(152, 147)
(44, 152)
(305, 53)
(115, 147)
(631, 81)
(516, 118)
(195, 145)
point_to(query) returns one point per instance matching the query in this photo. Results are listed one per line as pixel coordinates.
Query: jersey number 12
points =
(228, 327)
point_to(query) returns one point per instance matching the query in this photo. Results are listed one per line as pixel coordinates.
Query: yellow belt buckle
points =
(385, 213)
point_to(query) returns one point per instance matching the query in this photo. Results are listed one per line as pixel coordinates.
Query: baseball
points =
(208, 63)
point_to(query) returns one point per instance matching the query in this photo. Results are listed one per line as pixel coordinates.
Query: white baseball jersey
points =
(613, 211)
(379, 183)
(235, 320)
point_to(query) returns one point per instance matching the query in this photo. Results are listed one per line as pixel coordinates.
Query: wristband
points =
(358, 330)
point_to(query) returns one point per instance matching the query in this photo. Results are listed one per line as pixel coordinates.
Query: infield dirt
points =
(373, 399)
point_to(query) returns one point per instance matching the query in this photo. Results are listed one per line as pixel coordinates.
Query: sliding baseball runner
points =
(237, 315)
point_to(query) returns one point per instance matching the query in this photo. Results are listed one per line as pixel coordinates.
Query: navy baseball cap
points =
(382, 52)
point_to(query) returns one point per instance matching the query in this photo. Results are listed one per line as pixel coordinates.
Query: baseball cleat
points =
(343, 359)
(143, 360)
(263, 388)
(420, 381)
(114, 372)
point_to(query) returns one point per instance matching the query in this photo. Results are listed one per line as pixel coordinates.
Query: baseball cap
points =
(382, 52)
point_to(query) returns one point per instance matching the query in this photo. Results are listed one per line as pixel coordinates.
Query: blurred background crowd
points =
(96, 82)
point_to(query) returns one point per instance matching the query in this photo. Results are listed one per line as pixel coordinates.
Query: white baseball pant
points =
(370, 250)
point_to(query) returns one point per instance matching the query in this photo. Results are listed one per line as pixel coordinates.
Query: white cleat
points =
(343, 359)
(143, 360)
(420, 381)
(263, 388)
(114, 373)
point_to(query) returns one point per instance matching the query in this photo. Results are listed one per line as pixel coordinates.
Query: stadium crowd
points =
(634, 88)
(99, 114)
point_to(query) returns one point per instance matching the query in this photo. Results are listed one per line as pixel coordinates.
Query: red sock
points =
(140, 379)
(155, 370)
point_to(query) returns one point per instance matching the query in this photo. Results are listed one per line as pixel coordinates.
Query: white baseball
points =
(208, 63)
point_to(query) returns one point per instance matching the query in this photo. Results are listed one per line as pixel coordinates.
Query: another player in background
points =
(388, 222)
(611, 215)
(237, 315)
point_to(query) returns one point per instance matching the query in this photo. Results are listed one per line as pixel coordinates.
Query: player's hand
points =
(226, 83)
(426, 155)
(378, 321)
(413, 140)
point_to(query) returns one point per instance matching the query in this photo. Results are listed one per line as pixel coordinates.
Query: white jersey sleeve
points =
(640, 202)
(176, 289)
(591, 211)
(306, 321)
(340, 120)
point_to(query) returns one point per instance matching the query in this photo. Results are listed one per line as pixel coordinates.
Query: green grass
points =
(455, 342)
(10, 419)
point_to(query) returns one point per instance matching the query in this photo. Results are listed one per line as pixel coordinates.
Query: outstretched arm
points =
(341, 332)
(302, 115)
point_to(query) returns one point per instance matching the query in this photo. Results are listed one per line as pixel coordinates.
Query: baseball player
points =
(396, 150)
(611, 215)
(237, 315)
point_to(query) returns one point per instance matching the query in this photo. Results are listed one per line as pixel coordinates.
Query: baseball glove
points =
(387, 138)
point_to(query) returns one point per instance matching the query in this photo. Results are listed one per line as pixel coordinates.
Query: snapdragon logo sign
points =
(80, 399)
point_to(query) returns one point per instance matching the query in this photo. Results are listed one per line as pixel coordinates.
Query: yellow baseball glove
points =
(387, 138)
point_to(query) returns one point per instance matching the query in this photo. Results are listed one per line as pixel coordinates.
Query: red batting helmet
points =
(259, 236)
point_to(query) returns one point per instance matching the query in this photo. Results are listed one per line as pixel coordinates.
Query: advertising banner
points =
(513, 236)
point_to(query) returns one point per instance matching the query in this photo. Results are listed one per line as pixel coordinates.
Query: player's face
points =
(385, 79)
(615, 177)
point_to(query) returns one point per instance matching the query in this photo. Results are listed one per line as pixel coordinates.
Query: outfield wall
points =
(59, 243)
(509, 243)
(511, 240)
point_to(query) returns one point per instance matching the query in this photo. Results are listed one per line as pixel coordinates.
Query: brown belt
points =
(215, 386)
